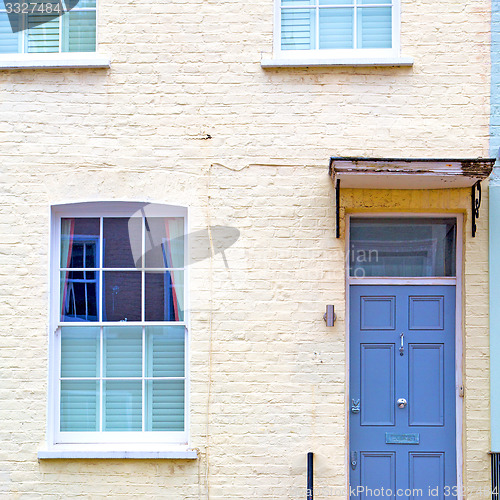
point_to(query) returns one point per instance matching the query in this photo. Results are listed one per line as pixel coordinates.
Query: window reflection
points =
(120, 236)
(80, 243)
(109, 287)
(122, 296)
(79, 296)
(402, 247)
(164, 296)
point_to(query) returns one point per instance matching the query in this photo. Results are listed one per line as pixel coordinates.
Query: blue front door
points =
(402, 392)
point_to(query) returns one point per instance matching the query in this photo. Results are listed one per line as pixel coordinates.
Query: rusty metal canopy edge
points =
(409, 173)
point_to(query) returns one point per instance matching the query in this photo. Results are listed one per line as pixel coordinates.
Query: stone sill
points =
(135, 455)
(54, 61)
(348, 61)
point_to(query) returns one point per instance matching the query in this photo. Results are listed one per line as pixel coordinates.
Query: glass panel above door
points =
(402, 247)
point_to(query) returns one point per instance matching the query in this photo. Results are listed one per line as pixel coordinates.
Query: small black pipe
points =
(473, 214)
(310, 476)
(337, 208)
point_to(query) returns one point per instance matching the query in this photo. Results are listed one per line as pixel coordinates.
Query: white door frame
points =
(459, 293)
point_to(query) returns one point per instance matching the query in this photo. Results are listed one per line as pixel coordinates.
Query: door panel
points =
(426, 313)
(413, 446)
(378, 313)
(426, 380)
(427, 474)
(378, 470)
(377, 384)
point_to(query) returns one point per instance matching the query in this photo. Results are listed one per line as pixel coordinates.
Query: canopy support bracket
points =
(476, 203)
(337, 208)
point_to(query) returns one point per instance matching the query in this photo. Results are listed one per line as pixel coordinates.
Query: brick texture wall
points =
(268, 379)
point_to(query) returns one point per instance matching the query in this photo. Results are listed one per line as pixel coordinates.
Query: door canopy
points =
(405, 173)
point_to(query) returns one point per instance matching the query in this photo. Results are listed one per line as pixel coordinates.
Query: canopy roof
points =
(404, 173)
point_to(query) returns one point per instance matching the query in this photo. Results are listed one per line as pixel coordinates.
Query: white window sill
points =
(54, 61)
(334, 61)
(99, 453)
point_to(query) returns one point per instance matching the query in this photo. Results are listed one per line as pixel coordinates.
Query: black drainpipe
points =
(310, 476)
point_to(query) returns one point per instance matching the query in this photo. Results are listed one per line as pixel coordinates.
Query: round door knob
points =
(402, 402)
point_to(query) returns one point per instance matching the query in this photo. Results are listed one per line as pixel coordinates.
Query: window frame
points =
(338, 54)
(23, 34)
(108, 440)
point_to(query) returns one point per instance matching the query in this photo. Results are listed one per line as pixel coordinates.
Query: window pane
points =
(336, 28)
(165, 296)
(376, 2)
(79, 243)
(164, 242)
(122, 351)
(9, 41)
(122, 405)
(402, 247)
(79, 31)
(296, 3)
(79, 296)
(122, 296)
(165, 404)
(375, 28)
(79, 4)
(80, 351)
(165, 351)
(120, 236)
(43, 32)
(298, 29)
(79, 405)
(336, 2)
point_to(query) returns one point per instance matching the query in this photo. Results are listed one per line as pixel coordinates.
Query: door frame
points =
(457, 281)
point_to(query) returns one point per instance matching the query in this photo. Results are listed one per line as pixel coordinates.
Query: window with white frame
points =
(340, 27)
(118, 358)
(47, 26)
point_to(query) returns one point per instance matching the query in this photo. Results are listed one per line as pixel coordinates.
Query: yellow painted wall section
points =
(268, 379)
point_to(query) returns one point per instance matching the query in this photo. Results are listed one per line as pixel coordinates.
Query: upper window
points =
(118, 370)
(343, 27)
(47, 26)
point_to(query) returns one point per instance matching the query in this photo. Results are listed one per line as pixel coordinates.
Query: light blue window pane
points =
(43, 32)
(79, 4)
(375, 28)
(336, 2)
(9, 42)
(336, 28)
(79, 406)
(165, 404)
(297, 29)
(165, 351)
(80, 348)
(79, 31)
(122, 348)
(374, 2)
(122, 405)
(296, 3)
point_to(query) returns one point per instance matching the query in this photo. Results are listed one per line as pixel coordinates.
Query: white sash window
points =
(118, 347)
(337, 29)
(41, 30)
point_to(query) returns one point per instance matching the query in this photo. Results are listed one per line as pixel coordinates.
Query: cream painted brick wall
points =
(134, 132)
